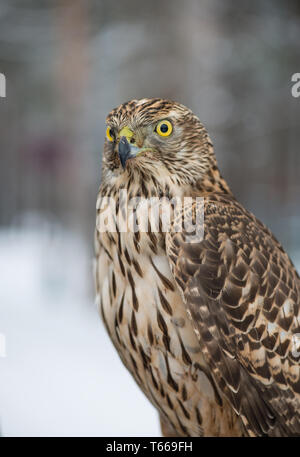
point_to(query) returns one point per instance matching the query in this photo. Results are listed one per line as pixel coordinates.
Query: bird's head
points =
(158, 140)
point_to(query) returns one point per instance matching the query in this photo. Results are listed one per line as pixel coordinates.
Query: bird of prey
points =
(209, 328)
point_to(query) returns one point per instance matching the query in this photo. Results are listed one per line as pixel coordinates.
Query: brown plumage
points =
(208, 329)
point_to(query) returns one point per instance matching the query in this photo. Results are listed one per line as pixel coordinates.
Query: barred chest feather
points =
(148, 324)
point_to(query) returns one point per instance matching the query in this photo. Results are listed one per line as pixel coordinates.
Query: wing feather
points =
(243, 294)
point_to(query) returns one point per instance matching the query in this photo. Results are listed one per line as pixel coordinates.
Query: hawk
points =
(209, 329)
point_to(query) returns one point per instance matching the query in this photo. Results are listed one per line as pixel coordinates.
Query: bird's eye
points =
(109, 134)
(164, 128)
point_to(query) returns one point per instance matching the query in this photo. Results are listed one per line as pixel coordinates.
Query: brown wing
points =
(243, 293)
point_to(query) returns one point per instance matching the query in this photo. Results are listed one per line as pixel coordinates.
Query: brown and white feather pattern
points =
(205, 328)
(243, 295)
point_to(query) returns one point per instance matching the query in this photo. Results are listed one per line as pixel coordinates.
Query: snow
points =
(61, 375)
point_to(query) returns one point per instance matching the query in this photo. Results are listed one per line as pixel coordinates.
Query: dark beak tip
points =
(124, 151)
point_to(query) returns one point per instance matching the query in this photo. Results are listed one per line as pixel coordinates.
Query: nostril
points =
(132, 140)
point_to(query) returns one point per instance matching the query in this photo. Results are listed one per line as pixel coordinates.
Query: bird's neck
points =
(213, 182)
(147, 185)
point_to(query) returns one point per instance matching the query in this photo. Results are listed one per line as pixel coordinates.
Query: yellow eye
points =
(164, 128)
(109, 134)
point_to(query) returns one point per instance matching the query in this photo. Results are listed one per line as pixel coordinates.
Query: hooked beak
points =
(124, 151)
(127, 151)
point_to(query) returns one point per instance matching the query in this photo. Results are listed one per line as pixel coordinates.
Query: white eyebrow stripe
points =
(174, 114)
(142, 101)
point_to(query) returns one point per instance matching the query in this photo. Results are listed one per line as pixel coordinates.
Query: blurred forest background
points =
(67, 64)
